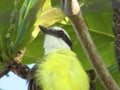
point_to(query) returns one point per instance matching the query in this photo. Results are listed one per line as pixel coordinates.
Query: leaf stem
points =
(72, 10)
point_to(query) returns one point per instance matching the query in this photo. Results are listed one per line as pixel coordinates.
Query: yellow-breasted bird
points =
(59, 69)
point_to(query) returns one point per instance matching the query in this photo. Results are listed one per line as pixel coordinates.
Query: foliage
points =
(19, 20)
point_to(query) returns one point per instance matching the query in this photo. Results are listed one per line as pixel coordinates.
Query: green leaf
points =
(5, 15)
(27, 18)
(115, 73)
(37, 16)
(56, 3)
(49, 17)
(97, 5)
(113, 69)
(2, 51)
(98, 21)
(34, 51)
(1, 43)
(5, 12)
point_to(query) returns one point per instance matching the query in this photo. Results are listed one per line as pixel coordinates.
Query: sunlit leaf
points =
(50, 17)
(27, 18)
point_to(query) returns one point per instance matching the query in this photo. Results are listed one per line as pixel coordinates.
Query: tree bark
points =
(116, 29)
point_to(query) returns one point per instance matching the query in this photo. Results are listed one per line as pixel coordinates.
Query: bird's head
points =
(55, 38)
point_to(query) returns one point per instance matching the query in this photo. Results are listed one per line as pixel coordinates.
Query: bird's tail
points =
(33, 86)
(32, 81)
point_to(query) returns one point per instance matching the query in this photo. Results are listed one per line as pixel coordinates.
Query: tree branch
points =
(19, 69)
(69, 8)
(3, 72)
(16, 67)
(116, 28)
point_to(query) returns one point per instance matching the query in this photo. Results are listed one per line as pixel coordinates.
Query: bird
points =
(59, 68)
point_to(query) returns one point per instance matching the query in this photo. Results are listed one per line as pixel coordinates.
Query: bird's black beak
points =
(43, 29)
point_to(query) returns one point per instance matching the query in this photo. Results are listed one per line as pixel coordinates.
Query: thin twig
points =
(72, 10)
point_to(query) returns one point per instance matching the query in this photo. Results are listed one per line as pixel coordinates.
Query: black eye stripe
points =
(60, 34)
(55, 33)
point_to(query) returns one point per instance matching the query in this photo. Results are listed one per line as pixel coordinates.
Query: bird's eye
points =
(61, 32)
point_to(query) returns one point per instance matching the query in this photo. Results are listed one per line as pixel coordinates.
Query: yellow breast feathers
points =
(61, 70)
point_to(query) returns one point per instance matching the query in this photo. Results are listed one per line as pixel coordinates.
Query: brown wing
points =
(32, 83)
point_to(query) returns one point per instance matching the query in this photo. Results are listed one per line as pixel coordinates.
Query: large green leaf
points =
(27, 18)
(34, 51)
(5, 12)
(34, 13)
(8, 14)
(5, 15)
(45, 18)
(99, 22)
